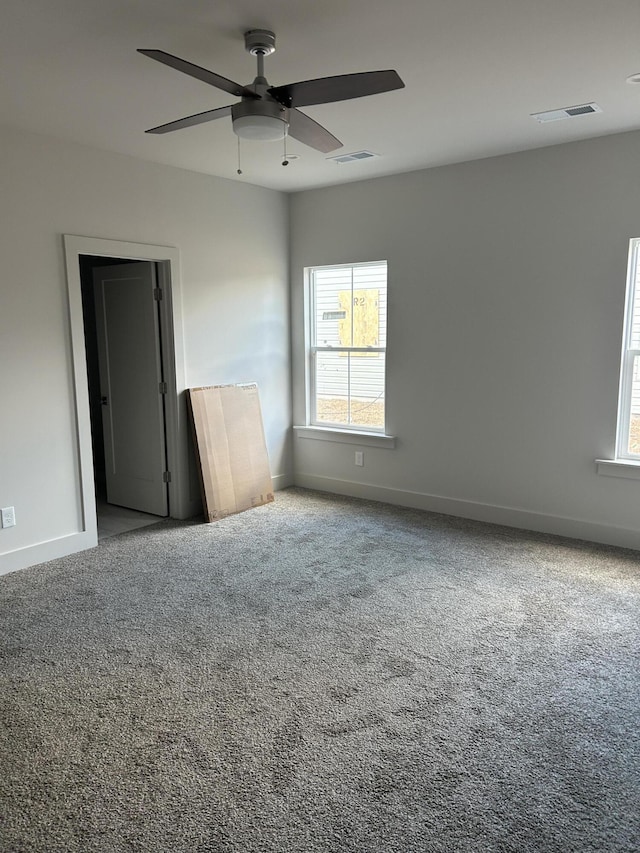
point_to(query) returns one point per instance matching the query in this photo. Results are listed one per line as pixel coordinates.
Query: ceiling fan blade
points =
(200, 73)
(327, 90)
(308, 131)
(190, 121)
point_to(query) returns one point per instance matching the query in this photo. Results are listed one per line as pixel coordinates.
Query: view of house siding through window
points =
(348, 337)
(348, 342)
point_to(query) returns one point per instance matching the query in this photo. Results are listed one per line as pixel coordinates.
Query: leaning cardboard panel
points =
(231, 449)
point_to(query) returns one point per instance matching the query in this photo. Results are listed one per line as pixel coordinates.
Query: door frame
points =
(167, 259)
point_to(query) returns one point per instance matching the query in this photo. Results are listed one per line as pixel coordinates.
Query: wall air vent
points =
(566, 112)
(341, 159)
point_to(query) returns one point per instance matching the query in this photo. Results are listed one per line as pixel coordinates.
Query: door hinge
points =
(157, 293)
(166, 477)
(162, 387)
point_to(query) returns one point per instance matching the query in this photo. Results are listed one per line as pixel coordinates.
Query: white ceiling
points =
(474, 72)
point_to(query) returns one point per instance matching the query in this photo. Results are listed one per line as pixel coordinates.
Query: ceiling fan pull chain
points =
(239, 170)
(285, 162)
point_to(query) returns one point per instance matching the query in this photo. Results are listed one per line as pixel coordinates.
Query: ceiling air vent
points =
(566, 112)
(352, 158)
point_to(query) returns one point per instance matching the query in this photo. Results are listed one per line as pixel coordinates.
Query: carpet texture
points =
(322, 674)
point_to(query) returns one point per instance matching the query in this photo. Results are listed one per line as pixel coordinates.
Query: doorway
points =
(126, 391)
(85, 256)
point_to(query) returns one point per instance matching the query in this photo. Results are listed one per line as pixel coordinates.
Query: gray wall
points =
(506, 290)
(235, 309)
(506, 295)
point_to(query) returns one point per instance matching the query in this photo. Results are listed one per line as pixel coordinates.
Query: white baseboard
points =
(190, 509)
(42, 552)
(572, 528)
(282, 481)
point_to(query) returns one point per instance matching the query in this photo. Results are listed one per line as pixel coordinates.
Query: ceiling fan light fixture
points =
(264, 120)
(261, 127)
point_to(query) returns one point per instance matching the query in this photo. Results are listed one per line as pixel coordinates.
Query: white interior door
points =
(131, 386)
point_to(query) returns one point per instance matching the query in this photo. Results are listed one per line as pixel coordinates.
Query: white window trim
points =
(346, 436)
(625, 464)
(627, 359)
(624, 468)
(333, 431)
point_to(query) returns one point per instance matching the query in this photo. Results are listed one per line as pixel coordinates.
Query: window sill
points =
(626, 468)
(364, 439)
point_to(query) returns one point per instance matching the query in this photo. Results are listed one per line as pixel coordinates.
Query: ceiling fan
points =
(271, 112)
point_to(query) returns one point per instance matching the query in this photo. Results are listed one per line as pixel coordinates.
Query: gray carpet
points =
(322, 674)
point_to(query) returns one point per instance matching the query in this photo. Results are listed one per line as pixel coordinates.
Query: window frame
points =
(313, 349)
(628, 357)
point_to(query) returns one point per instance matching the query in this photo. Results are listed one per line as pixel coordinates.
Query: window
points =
(628, 438)
(348, 338)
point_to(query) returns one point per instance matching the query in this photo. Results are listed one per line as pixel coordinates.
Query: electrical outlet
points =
(8, 514)
(359, 458)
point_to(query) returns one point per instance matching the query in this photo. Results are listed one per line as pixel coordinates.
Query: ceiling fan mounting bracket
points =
(260, 42)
